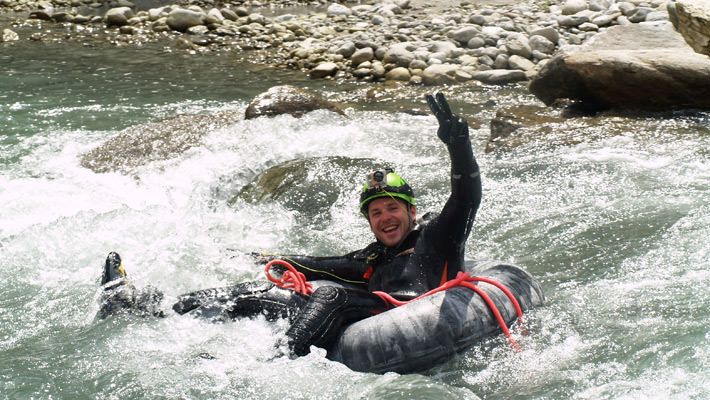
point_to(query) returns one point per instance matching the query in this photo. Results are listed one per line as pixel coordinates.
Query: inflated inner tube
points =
(411, 338)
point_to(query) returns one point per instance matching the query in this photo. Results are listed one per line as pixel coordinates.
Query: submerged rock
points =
(310, 185)
(642, 67)
(287, 99)
(155, 141)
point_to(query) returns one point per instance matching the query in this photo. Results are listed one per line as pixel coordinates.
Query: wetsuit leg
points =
(122, 296)
(327, 312)
(243, 300)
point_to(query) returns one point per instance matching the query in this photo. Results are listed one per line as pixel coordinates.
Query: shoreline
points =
(407, 41)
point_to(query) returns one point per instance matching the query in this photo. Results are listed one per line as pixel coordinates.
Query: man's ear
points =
(413, 212)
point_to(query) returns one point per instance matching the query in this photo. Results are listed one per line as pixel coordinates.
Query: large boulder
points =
(693, 22)
(308, 185)
(155, 141)
(642, 66)
(286, 99)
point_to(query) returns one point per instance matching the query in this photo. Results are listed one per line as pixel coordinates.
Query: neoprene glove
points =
(452, 128)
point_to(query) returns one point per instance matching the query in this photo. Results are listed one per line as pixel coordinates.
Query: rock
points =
(346, 50)
(518, 125)
(323, 70)
(523, 64)
(541, 44)
(519, 45)
(549, 33)
(398, 74)
(644, 67)
(499, 76)
(439, 74)
(573, 6)
(288, 99)
(9, 36)
(694, 23)
(317, 179)
(155, 141)
(118, 16)
(398, 55)
(336, 9)
(181, 19)
(463, 35)
(362, 55)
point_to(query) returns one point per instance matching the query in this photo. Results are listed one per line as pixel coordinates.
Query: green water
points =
(615, 226)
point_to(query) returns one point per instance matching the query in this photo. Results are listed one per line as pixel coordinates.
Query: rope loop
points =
(291, 278)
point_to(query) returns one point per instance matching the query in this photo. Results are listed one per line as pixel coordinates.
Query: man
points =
(406, 260)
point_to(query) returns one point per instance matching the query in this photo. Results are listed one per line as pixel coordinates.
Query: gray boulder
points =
(288, 99)
(155, 141)
(693, 22)
(643, 67)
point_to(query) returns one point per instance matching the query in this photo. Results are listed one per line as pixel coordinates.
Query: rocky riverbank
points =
(494, 42)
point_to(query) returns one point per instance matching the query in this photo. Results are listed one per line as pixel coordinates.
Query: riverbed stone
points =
(181, 19)
(287, 99)
(439, 74)
(9, 36)
(499, 76)
(362, 55)
(398, 74)
(323, 70)
(645, 66)
(118, 16)
(693, 23)
(520, 124)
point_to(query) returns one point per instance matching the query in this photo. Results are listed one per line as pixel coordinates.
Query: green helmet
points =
(384, 183)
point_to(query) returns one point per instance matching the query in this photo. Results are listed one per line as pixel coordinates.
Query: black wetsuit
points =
(430, 254)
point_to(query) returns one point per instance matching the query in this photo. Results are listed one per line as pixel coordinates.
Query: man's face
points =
(390, 220)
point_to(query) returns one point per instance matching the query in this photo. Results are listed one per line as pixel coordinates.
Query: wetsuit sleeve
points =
(349, 268)
(453, 225)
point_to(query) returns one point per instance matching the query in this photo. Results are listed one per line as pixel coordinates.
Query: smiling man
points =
(408, 258)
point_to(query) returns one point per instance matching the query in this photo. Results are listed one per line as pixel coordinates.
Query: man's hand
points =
(451, 126)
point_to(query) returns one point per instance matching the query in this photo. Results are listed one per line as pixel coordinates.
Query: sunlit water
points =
(615, 227)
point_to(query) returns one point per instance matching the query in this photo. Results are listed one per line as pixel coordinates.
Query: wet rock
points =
(308, 185)
(155, 141)
(9, 36)
(323, 70)
(517, 125)
(118, 16)
(693, 23)
(643, 67)
(288, 99)
(499, 76)
(181, 19)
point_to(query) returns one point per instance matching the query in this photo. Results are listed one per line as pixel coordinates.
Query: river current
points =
(614, 224)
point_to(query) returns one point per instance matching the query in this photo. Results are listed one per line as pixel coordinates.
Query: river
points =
(614, 224)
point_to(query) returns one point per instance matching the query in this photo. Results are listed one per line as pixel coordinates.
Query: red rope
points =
(290, 279)
(465, 280)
